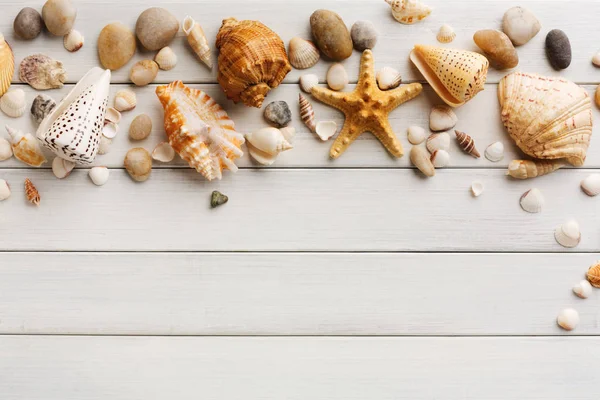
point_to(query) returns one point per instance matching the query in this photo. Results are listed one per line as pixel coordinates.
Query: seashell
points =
(73, 129)
(166, 59)
(308, 82)
(364, 35)
(446, 34)
(28, 24)
(140, 127)
(7, 65)
(477, 188)
(558, 49)
(217, 199)
(199, 130)
(526, 169)
(61, 167)
(268, 140)
(31, 193)
(495, 152)
(26, 148)
(138, 164)
(99, 175)
(596, 59)
(163, 152)
(197, 40)
(104, 146)
(597, 96)
(42, 106)
(438, 141)
(593, 275)
(440, 158)
(125, 100)
(591, 185)
(289, 133)
(467, 143)
(497, 47)
(156, 28)
(13, 103)
(442, 118)
(568, 234)
(388, 78)
(568, 319)
(112, 115)
(252, 61)
(110, 130)
(303, 53)
(116, 45)
(583, 289)
(307, 114)
(422, 161)
(42, 72)
(260, 156)
(5, 149)
(532, 201)
(59, 16)
(326, 129)
(520, 25)
(548, 118)
(73, 41)
(337, 77)
(331, 34)
(4, 190)
(416, 135)
(409, 11)
(278, 113)
(143, 72)
(455, 75)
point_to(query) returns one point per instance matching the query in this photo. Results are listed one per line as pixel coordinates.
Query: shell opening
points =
(188, 25)
(433, 80)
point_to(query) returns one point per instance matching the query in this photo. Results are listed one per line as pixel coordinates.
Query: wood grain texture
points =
(292, 294)
(395, 40)
(125, 368)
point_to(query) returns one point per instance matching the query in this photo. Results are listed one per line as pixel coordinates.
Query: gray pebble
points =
(364, 35)
(558, 49)
(28, 23)
(278, 112)
(42, 105)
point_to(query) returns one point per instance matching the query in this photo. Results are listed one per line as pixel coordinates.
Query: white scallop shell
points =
(163, 152)
(495, 152)
(302, 53)
(308, 82)
(125, 100)
(337, 77)
(477, 188)
(112, 115)
(73, 41)
(326, 129)
(438, 141)
(440, 158)
(110, 130)
(532, 201)
(568, 319)
(388, 78)
(568, 234)
(99, 175)
(446, 34)
(5, 149)
(583, 289)
(166, 59)
(269, 140)
(442, 118)
(4, 190)
(591, 185)
(104, 146)
(13, 103)
(416, 134)
(61, 167)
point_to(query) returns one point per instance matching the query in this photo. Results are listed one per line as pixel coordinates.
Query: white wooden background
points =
(347, 279)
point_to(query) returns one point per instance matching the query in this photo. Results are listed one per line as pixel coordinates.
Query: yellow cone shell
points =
(7, 65)
(456, 75)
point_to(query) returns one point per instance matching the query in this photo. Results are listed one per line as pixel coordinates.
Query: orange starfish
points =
(367, 108)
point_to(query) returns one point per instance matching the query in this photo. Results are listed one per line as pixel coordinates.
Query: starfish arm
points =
(329, 97)
(402, 95)
(367, 69)
(348, 134)
(385, 134)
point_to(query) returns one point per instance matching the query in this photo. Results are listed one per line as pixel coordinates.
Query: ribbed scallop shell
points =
(199, 130)
(13, 103)
(42, 72)
(7, 65)
(446, 34)
(252, 61)
(166, 59)
(549, 118)
(303, 53)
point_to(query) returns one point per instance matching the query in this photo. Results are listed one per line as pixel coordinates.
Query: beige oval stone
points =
(140, 127)
(116, 45)
(156, 28)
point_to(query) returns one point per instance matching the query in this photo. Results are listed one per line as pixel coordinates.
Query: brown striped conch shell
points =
(549, 118)
(455, 75)
(252, 61)
(199, 130)
(467, 143)
(197, 40)
(409, 11)
(7, 65)
(307, 114)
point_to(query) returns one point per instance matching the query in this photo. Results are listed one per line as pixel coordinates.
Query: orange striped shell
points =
(199, 130)
(252, 61)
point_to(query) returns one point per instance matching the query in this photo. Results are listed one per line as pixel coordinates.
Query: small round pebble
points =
(140, 127)
(558, 49)
(364, 35)
(28, 24)
(278, 113)
(520, 25)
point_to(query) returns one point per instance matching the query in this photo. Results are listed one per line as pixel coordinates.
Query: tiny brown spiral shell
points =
(467, 143)
(32, 194)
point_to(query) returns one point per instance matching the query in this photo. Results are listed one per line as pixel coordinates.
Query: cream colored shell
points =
(13, 103)
(409, 11)
(446, 34)
(303, 53)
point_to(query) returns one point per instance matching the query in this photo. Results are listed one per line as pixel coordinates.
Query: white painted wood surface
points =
(309, 247)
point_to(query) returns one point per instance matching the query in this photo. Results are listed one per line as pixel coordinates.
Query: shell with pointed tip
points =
(532, 201)
(422, 160)
(163, 152)
(438, 141)
(308, 82)
(495, 152)
(409, 11)
(568, 234)
(455, 75)
(326, 129)
(5, 149)
(166, 59)
(199, 130)
(252, 61)
(73, 41)
(467, 143)
(26, 148)
(42, 106)
(268, 140)
(7, 65)
(42, 72)
(446, 34)
(526, 169)
(31, 193)
(125, 100)
(303, 53)
(549, 118)
(61, 167)
(74, 127)
(591, 185)
(307, 113)
(13, 103)
(388, 78)
(197, 40)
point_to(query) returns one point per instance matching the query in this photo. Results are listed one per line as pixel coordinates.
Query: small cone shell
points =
(467, 143)
(197, 40)
(455, 75)
(525, 169)
(7, 65)
(31, 193)
(307, 114)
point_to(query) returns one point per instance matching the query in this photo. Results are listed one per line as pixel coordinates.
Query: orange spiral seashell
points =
(32, 194)
(252, 61)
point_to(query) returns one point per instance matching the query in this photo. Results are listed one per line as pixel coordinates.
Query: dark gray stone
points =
(278, 113)
(558, 49)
